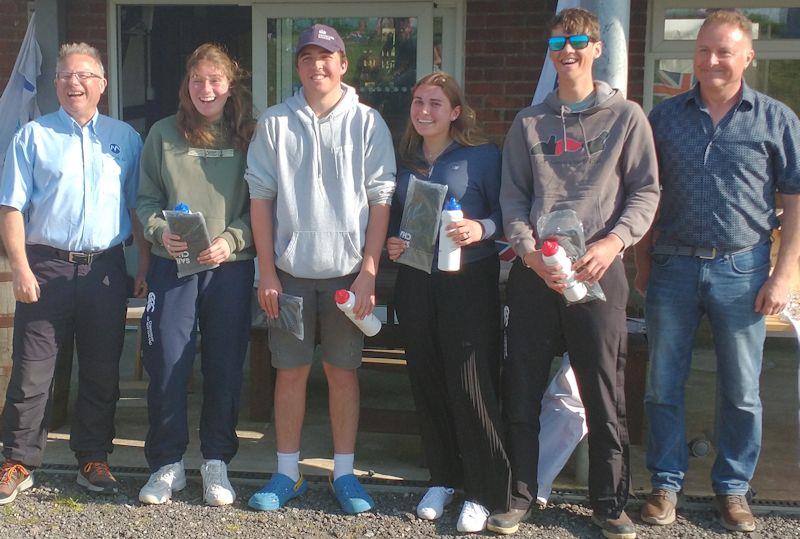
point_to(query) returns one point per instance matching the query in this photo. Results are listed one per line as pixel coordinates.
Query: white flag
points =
(18, 103)
(563, 419)
(547, 80)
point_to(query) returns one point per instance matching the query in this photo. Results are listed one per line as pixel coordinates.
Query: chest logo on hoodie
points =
(569, 145)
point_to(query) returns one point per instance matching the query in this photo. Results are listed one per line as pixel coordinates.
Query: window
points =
(390, 44)
(673, 27)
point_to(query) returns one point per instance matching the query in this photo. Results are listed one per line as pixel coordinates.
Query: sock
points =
(342, 464)
(288, 465)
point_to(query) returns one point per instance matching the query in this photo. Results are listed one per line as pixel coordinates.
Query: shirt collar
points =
(70, 121)
(747, 97)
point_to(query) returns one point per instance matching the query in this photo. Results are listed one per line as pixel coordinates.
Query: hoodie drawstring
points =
(583, 130)
(583, 133)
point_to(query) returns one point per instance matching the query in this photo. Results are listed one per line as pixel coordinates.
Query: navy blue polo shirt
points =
(719, 184)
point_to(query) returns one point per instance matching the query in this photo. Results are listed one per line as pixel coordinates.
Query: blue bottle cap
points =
(452, 205)
(182, 207)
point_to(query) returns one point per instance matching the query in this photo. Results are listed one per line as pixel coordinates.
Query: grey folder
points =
(191, 227)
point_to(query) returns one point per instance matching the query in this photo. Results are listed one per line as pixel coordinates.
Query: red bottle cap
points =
(549, 247)
(341, 296)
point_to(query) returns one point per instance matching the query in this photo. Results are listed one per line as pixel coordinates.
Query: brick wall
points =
(86, 21)
(505, 51)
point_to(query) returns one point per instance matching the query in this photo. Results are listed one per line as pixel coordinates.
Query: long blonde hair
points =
(463, 129)
(237, 116)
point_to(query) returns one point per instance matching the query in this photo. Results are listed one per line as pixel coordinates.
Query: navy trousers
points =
(84, 304)
(216, 301)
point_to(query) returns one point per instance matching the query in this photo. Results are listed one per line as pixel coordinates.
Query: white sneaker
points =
(163, 483)
(472, 518)
(432, 505)
(217, 490)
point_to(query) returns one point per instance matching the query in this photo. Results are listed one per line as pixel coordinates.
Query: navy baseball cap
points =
(321, 36)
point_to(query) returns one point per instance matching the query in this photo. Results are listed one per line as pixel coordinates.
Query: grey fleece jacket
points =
(600, 162)
(323, 174)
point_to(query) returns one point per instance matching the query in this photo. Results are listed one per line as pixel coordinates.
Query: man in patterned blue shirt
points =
(69, 183)
(724, 151)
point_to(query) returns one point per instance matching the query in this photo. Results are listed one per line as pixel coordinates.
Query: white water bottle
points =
(449, 252)
(554, 255)
(346, 300)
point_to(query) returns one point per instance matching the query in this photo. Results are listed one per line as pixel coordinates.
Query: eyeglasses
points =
(578, 41)
(66, 76)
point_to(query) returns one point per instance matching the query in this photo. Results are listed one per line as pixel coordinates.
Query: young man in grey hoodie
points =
(321, 172)
(589, 150)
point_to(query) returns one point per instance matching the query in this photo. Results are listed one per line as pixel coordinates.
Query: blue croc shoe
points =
(277, 492)
(351, 495)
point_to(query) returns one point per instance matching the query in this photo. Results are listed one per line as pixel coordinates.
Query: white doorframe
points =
(453, 13)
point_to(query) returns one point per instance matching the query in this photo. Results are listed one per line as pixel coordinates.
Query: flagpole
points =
(612, 66)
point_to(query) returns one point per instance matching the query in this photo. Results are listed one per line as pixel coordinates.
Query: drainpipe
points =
(614, 16)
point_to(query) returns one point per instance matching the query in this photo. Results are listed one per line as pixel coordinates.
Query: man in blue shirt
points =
(724, 151)
(68, 185)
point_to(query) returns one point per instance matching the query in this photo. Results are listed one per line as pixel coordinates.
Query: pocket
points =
(320, 254)
(660, 260)
(753, 261)
(586, 207)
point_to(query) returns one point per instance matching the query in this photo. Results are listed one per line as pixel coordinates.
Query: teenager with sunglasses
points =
(587, 149)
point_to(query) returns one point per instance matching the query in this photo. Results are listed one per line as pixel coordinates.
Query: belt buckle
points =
(79, 258)
(712, 256)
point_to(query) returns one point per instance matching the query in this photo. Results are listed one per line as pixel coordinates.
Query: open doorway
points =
(153, 44)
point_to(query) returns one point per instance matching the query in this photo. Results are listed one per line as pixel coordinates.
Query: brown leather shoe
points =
(96, 477)
(615, 528)
(659, 508)
(734, 513)
(14, 478)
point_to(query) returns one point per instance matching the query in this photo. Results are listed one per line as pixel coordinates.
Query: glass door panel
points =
(389, 46)
(382, 55)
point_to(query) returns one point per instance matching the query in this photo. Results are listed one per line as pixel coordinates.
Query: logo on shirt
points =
(569, 145)
(151, 302)
(115, 149)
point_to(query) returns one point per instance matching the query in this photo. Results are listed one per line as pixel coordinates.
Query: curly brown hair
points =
(237, 116)
(576, 21)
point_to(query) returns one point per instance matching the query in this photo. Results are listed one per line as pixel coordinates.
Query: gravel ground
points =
(57, 507)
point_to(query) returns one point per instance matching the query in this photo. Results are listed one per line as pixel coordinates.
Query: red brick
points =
(476, 20)
(502, 47)
(473, 47)
(482, 6)
(480, 88)
(522, 60)
(485, 60)
(495, 128)
(502, 101)
(488, 115)
(474, 74)
(523, 88)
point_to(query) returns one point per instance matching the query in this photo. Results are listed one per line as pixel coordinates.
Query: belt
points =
(706, 253)
(81, 258)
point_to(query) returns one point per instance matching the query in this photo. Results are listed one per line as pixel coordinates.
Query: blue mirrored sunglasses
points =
(578, 41)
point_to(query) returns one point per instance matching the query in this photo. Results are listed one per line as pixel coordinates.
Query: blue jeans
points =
(681, 290)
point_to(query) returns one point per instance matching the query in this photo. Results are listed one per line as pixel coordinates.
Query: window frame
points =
(658, 48)
(453, 13)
